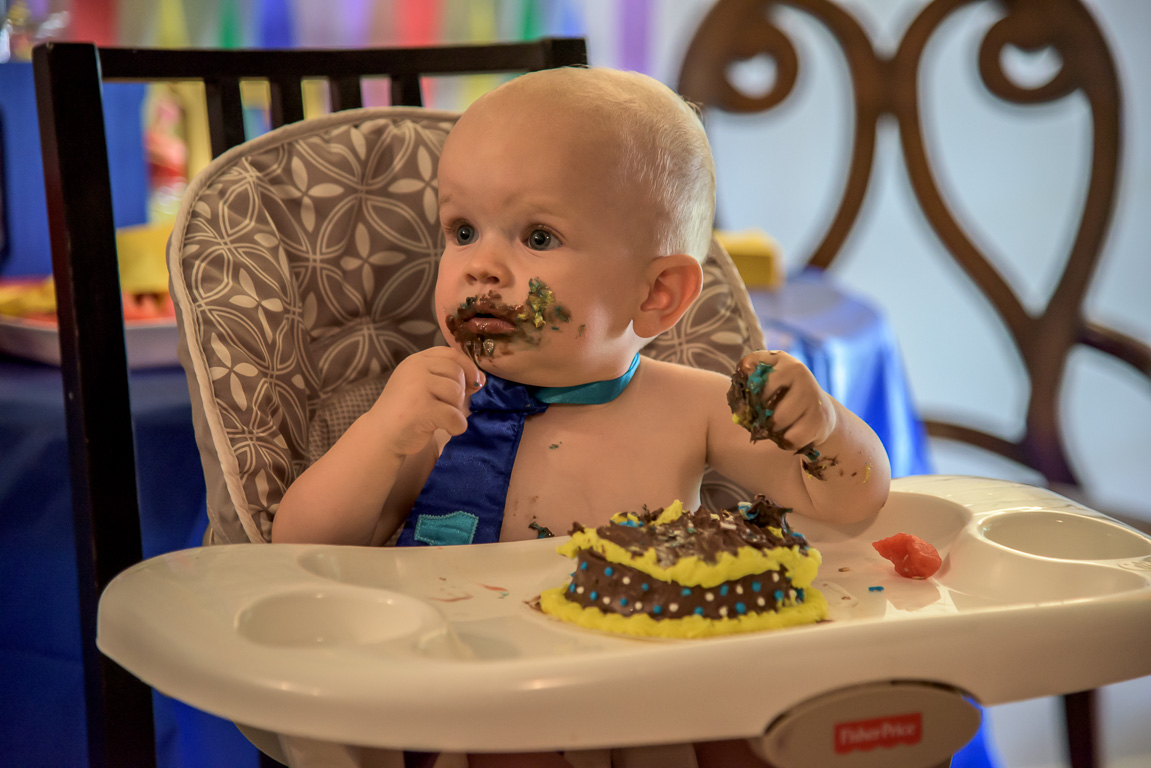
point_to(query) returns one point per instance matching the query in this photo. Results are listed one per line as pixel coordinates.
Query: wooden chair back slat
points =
(287, 100)
(345, 93)
(225, 113)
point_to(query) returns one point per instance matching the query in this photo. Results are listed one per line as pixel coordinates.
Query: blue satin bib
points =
(463, 500)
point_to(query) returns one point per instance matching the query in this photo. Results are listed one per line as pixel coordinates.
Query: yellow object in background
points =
(143, 263)
(143, 270)
(757, 256)
(20, 298)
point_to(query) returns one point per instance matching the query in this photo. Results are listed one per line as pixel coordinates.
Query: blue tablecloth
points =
(41, 679)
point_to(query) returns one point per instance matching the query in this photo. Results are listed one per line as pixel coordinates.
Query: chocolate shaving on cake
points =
(705, 534)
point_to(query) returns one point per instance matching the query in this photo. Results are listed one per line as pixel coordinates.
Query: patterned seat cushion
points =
(302, 265)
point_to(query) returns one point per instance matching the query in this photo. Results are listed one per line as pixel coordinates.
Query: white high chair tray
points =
(437, 648)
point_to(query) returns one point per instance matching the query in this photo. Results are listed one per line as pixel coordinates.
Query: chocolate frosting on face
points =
(703, 533)
(539, 311)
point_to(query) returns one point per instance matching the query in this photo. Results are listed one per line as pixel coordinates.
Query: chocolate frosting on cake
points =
(615, 588)
(677, 573)
(702, 533)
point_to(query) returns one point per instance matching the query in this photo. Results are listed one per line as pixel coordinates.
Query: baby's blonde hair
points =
(663, 145)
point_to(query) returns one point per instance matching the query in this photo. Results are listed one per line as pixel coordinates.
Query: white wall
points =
(1016, 178)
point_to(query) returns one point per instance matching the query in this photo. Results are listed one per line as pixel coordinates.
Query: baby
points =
(577, 207)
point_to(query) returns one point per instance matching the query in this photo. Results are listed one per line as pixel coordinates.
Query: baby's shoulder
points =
(681, 386)
(676, 377)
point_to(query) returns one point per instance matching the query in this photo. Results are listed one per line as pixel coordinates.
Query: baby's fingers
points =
(450, 362)
(449, 388)
(449, 418)
(750, 362)
(811, 427)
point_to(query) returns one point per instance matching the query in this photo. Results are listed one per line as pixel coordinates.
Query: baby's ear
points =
(674, 282)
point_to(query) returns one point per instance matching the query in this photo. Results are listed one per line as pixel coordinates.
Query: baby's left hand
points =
(803, 414)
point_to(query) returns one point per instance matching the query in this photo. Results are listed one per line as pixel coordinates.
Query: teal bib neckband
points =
(592, 393)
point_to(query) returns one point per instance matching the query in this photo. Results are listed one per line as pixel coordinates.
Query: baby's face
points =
(545, 254)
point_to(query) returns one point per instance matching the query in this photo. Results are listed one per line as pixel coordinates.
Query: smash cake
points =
(677, 573)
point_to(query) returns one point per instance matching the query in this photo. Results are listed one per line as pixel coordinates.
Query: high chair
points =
(890, 86)
(299, 287)
(303, 265)
(69, 77)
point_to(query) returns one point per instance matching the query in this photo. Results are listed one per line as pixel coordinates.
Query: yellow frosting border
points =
(802, 566)
(812, 609)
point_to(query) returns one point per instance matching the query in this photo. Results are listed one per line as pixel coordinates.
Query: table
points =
(42, 707)
(851, 348)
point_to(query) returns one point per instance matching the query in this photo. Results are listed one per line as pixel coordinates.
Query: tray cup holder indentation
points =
(1065, 536)
(321, 618)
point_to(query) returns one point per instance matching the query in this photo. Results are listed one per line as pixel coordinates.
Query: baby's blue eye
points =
(542, 240)
(465, 234)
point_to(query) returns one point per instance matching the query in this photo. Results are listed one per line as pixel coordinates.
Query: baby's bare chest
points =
(584, 464)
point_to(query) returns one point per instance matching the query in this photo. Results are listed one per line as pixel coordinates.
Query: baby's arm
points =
(820, 458)
(349, 496)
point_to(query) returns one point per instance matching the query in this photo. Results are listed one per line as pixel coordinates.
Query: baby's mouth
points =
(484, 316)
(489, 325)
(480, 321)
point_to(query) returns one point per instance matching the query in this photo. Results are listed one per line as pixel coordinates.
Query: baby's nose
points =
(488, 267)
(483, 276)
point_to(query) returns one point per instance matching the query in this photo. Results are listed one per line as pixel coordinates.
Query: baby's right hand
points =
(429, 390)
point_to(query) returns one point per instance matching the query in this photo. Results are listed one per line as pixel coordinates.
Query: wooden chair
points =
(882, 85)
(69, 78)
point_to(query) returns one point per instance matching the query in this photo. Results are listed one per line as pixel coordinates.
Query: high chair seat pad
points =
(302, 265)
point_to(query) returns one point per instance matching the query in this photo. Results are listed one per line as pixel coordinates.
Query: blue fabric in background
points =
(25, 214)
(42, 704)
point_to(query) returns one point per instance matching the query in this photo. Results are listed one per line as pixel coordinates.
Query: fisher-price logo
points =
(881, 732)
